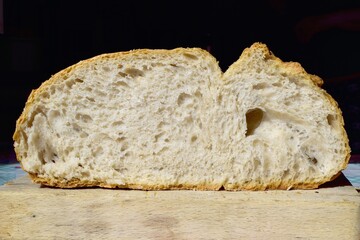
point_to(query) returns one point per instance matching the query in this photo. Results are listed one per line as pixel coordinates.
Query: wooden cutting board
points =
(28, 211)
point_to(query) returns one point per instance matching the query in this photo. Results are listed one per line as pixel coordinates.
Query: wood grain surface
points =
(29, 211)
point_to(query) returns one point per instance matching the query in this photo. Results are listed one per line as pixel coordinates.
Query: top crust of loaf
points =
(261, 51)
(255, 62)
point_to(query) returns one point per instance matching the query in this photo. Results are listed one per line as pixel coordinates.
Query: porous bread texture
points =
(170, 119)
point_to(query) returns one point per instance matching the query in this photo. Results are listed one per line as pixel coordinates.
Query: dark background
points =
(38, 38)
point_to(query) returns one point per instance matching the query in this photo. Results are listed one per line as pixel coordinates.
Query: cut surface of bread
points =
(171, 119)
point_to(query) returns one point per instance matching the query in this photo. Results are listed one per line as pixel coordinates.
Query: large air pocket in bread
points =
(170, 119)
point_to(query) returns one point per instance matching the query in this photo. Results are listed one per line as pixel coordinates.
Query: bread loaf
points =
(171, 119)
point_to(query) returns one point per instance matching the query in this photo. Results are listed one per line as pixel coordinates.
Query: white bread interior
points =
(170, 119)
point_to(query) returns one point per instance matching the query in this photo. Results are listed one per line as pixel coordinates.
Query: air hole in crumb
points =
(114, 91)
(99, 151)
(106, 69)
(219, 99)
(160, 109)
(277, 84)
(198, 94)
(124, 147)
(71, 83)
(122, 74)
(85, 174)
(163, 150)
(76, 127)
(117, 123)
(260, 86)
(121, 84)
(41, 157)
(90, 99)
(53, 115)
(54, 158)
(133, 72)
(331, 119)
(296, 167)
(191, 56)
(158, 136)
(120, 139)
(162, 124)
(188, 120)
(52, 90)
(68, 150)
(45, 95)
(100, 93)
(84, 135)
(193, 138)
(253, 120)
(183, 98)
(257, 163)
(83, 117)
(313, 160)
(286, 173)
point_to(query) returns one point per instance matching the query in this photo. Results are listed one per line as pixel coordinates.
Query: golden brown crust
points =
(289, 68)
(251, 186)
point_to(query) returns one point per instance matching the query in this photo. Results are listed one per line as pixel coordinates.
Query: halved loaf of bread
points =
(170, 119)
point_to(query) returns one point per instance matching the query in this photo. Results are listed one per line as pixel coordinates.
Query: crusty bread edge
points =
(76, 183)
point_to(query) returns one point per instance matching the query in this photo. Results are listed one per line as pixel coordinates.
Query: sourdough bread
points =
(170, 119)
